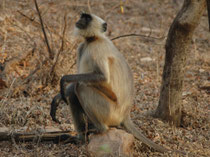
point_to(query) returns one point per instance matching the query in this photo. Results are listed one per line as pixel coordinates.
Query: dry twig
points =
(44, 32)
(208, 10)
(24, 15)
(137, 35)
(51, 135)
(89, 8)
(62, 44)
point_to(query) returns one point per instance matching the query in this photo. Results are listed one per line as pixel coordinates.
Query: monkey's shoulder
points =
(99, 53)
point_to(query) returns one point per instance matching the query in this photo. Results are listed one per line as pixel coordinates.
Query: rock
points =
(201, 70)
(115, 142)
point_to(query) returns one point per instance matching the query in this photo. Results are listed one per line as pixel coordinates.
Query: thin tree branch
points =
(208, 10)
(31, 19)
(110, 10)
(137, 35)
(43, 30)
(64, 31)
(62, 44)
(89, 8)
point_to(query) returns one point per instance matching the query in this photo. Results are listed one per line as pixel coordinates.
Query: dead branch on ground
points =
(46, 135)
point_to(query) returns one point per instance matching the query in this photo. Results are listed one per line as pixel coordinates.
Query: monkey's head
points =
(90, 25)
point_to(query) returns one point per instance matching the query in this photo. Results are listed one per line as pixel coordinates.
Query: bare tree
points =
(177, 50)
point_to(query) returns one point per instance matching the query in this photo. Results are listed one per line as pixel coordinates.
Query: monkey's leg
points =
(76, 109)
(94, 105)
(78, 113)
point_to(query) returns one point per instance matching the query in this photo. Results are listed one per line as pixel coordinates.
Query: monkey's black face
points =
(84, 21)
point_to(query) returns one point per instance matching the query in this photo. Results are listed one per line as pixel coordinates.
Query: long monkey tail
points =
(128, 124)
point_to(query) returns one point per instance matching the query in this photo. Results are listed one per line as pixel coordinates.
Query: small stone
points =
(146, 59)
(186, 93)
(201, 70)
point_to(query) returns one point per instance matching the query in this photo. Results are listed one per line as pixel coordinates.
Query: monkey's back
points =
(103, 56)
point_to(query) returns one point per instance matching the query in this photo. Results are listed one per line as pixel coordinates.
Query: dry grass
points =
(25, 102)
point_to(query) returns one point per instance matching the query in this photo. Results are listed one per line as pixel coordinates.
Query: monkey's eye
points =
(104, 27)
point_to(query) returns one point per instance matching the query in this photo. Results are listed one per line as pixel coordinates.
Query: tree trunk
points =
(177, 50)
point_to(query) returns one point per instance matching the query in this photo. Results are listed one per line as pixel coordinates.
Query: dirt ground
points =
(26, 89)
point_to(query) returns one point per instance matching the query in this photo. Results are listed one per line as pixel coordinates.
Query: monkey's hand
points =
(63, 89)
(54, 105)
(53, 116)
(56, 120)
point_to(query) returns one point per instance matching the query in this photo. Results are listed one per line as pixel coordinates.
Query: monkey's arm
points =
(86, 77)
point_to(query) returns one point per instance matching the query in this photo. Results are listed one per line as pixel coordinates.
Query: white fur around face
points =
(94, 28)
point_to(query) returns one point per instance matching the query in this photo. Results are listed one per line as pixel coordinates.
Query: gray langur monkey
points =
(103, 88)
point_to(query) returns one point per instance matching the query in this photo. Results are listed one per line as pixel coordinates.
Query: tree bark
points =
(177, 50)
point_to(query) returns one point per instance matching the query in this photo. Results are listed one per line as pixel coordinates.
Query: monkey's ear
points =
(104, 27)
(82, 12)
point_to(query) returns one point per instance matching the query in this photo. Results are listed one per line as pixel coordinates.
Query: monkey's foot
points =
(56, 120)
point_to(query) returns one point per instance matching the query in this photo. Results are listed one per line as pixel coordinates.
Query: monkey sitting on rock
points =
(103, 88)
